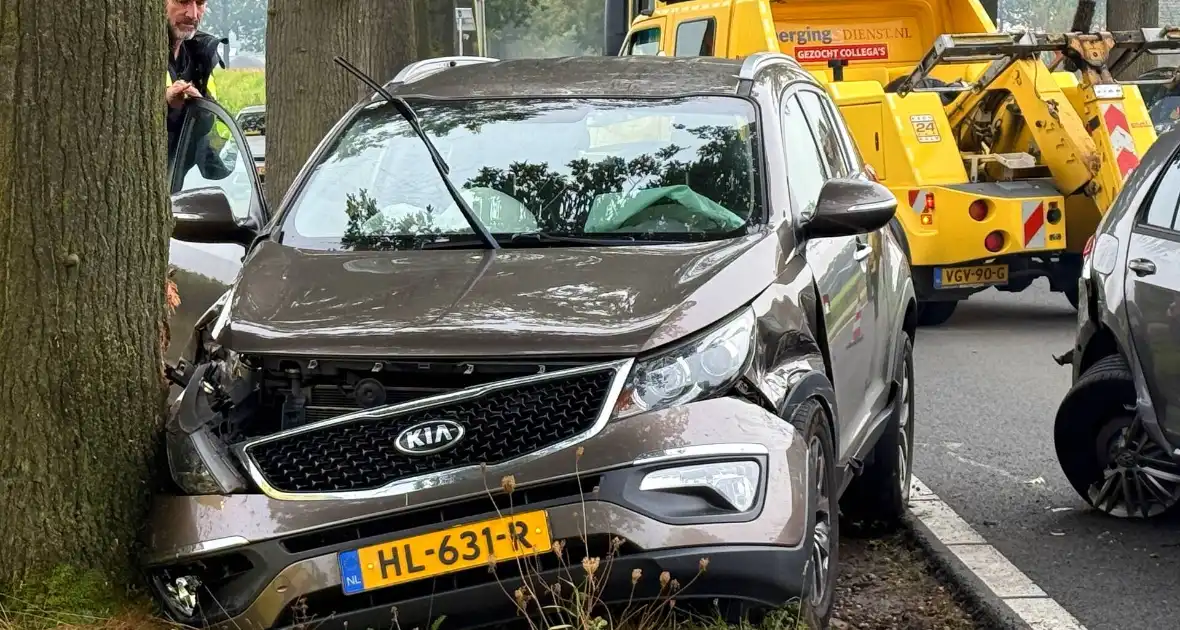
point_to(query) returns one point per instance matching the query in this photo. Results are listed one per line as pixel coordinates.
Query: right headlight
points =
(197, 458)
(697, 370)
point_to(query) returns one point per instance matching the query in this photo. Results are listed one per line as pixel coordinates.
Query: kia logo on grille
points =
(427, 438)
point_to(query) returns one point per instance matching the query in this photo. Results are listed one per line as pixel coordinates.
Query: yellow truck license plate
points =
(945, 277)
(447, 551)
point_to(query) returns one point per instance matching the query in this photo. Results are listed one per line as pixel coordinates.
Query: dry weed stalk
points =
(579, 605)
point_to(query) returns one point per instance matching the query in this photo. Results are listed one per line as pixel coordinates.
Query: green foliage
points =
(240, 88)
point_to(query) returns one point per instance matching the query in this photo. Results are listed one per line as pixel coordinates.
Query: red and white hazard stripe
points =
(1121, 139)
(827, 304)
(1033, 215)
(918, 199)
(856, 331)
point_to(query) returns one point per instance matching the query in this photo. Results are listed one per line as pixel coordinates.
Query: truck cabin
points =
(871, 40)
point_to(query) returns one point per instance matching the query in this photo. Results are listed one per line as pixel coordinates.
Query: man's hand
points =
(178, 92)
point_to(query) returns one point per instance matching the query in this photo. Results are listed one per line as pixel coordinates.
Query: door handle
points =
(1142, 267)
(863, 249)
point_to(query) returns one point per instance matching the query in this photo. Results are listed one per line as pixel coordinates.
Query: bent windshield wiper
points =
(440, 165)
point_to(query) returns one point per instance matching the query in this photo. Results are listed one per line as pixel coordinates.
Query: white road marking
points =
(1020, 594)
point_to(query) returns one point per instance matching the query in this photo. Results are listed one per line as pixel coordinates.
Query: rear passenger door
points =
(838, 268)
(1153, 293)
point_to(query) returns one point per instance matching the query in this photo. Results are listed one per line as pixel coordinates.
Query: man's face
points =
(184, 16)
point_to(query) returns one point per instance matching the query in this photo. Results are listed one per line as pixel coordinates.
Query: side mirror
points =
(203, 215)
(847, 207)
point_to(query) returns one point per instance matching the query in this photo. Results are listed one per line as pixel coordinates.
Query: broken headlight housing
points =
(197, 458)
(707, 366)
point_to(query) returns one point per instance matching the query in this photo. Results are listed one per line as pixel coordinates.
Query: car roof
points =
(252, 109)
(639, 75)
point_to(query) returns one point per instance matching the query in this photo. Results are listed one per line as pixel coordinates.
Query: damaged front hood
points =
(464, 303)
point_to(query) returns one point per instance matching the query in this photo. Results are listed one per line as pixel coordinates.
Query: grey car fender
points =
(805, 385)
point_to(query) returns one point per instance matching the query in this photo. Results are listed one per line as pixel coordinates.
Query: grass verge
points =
(238, 88)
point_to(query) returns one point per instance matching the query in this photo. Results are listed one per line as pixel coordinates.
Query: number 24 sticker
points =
(925, 129)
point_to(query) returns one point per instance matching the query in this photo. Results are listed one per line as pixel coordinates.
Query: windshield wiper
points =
(440, 165)
(545, 237)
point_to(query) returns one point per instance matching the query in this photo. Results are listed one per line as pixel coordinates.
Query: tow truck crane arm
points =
(1017, 97)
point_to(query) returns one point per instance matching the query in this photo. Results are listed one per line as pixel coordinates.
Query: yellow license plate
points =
(447, 551)
(945, 277)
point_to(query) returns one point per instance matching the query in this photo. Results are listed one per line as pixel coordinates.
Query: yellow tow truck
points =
(1003, 149)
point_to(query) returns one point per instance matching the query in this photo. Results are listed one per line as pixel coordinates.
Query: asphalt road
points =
(987, 392)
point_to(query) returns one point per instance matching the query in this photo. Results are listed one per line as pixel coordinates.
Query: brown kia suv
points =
(516, 314)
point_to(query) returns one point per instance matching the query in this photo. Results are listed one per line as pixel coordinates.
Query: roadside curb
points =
(980, 602)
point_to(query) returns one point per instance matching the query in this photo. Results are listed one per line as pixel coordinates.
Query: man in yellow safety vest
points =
(193, 55)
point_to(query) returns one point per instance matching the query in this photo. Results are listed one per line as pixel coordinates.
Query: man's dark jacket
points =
(195, 62)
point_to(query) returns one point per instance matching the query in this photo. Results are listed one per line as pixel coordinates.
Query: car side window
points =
(1162, 210)
(827, 135)
(210, 157)
(695, 38)
(645, 42)
(805, 164)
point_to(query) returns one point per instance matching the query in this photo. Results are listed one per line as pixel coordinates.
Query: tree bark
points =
(1129, 15)
(84, 227)
(306, 91)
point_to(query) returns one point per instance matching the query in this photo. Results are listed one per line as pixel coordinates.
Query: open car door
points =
(210, 167)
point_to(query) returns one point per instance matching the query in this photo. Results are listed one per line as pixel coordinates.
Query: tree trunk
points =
(84, 226)
(306, 91)
(441, 26)
(1130, 15)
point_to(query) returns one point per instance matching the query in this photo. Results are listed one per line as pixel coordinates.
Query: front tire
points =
(1106, 454)
(822, 565)
(878, 497)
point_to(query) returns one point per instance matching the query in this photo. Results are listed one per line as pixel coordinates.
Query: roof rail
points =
(759, 60)
(427, 67)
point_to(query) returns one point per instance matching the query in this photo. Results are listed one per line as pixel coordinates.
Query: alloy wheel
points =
(905, 430)
(1140, 479)
(821, 548)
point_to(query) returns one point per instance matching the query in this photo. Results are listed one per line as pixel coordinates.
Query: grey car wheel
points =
(1104, 450)
(822, 565)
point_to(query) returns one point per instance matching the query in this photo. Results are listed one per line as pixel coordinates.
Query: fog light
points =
(978, 210)
(994, 242)
(182, 594)
(736, 483)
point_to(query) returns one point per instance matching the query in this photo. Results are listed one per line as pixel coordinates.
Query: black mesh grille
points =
(501, 426)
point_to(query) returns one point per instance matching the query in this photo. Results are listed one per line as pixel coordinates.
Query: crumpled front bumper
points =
(267, 562)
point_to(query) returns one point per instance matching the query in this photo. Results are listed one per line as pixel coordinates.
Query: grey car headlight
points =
(700, 369)
(197, 458)
(192, 459)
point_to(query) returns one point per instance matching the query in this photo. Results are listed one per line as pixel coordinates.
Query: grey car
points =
(1117, 431)
(652, 308)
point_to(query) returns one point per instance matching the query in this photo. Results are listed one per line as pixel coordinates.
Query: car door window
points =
(695, 38)
(210, 156)
(645, 42)
(1161, 212)
(827, 135)
(805, 164)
